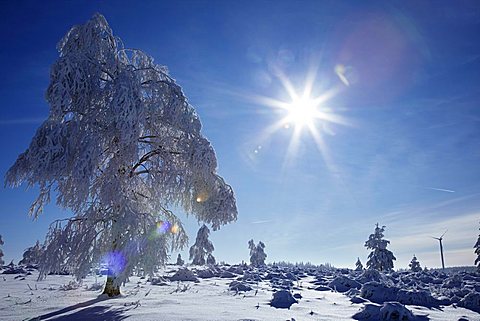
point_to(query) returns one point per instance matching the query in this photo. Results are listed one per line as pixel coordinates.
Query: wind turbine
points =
(441, 248)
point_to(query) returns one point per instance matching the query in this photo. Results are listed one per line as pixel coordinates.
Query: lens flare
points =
(115, 262)
(163, 227)
(175, 228)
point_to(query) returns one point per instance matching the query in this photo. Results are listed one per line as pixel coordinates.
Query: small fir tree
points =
(477, 251)
(211, 259)
(380, 258)
(32, 255)
(1, 252)
(415, 265)
(257, 253)
(359, 265)
(202, 247)
(179, 260)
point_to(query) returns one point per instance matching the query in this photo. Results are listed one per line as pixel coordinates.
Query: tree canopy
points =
(121, 148)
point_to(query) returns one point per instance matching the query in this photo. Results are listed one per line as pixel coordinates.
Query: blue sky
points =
(407, 156)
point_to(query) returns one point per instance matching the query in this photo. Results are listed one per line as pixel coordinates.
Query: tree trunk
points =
(110, 288)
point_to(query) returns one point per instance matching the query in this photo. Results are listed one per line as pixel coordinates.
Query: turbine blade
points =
(444, 233)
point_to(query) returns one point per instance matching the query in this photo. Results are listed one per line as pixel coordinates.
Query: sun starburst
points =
(304, 113)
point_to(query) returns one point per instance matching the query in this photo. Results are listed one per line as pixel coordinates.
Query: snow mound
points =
(343, 284)
(471, 301)
(239, 287)
(413, 297)
(378, 292)
(184, 275)
(205, 274)
(389, 311)
(282, 299)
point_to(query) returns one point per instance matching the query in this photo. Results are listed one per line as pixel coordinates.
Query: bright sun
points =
(302, 112)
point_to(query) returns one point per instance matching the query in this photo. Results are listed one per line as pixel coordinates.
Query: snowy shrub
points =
(454, 281)
(211, 259)
(471, 301)
(378, 292)
(389, 311)
(257, 253)
(343, 284)
(282, 299)
(184, 275)
(369, 276)
(202, 248)
(237, 269)
(239, 287)
(205, 274)
(358, 265)
(180, 262)
(380, 258)
(72, 285)
(158, 281)
(412, 297)
(227, 275)
(415, 265)
(121, 145)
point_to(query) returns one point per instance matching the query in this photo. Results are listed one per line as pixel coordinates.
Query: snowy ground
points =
(24, 298)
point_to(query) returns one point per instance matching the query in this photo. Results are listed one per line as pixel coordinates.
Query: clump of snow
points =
(343, 284)
(205, 274)
(378, 292)
(282, 299)
(471, 301)
(414, 297)
(389, 311)
(239, 287)
(184, 275)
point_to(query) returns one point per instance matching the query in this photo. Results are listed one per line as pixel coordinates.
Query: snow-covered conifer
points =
(477, 252)
(1, 252)
(358, 265)
(32, 254)
(211, 259)
(202, 248)
(179, 260)
(415, 265)
(257, 253)
(380, 258)
(121, 145)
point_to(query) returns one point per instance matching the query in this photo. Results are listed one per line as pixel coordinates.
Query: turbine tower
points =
(441, 248)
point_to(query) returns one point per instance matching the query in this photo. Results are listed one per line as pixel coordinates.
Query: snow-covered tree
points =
(415, 265)
(358, 265)
(202, 248)
(120, 147)
(32, 255)
(477, 252)
(257, 253)
(179, 260)
(1, 252)
(380, 258)
(211, 259)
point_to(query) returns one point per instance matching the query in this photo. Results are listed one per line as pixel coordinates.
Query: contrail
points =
(441, 189)
(261, 222)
